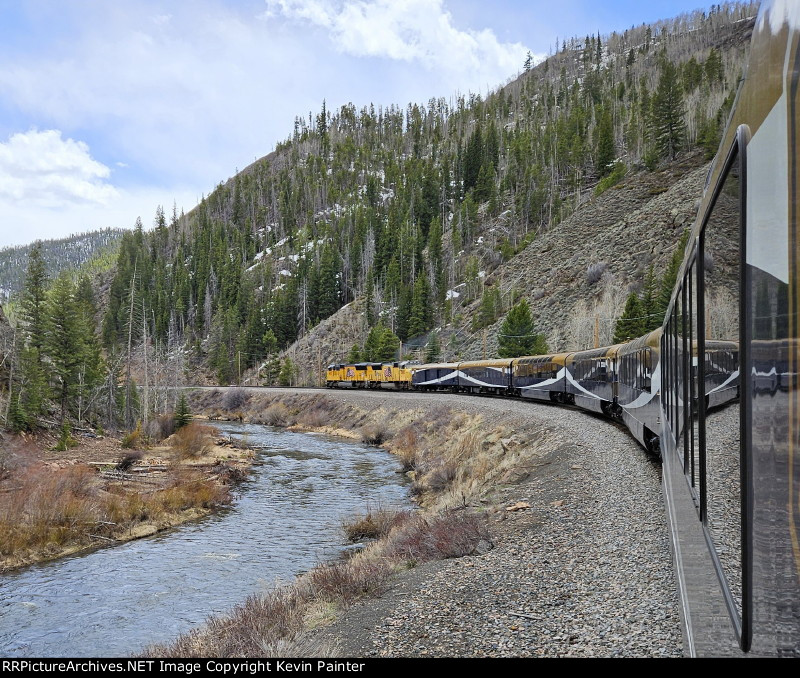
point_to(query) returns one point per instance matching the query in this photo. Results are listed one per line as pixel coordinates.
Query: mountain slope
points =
(58, 254)
(404, 207)
(576, 276)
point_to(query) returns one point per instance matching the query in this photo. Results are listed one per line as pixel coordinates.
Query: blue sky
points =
(108, 109)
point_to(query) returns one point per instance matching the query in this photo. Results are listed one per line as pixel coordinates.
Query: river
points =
(286, 518)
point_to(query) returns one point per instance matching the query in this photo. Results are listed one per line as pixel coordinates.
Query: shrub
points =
(134, 439)
(234, 398)
(374, 524)
(160, 428)
(448, 535)
(348, 581)
(193, 440)
(276, 414)
(440, 477)
(595, 272)
(65, 440)
(617, 174)
(373, 434)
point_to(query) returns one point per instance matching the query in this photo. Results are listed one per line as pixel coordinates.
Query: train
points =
(714, 392)
(621, 381)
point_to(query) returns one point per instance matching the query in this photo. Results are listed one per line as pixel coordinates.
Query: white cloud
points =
(24, 222)
(407, 30)
(183, 94)
(43, 168)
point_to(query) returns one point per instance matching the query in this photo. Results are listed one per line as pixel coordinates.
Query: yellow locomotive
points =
(369, 375)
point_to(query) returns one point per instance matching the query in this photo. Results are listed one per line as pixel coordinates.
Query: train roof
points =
(558, 358)
(498, 362)
(435, 366)
(649, 340)
(603, 352)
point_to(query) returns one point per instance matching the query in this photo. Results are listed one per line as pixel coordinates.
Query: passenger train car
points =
(714, 391)
(731, 475)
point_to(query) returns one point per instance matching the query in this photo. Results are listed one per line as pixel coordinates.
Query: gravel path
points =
(586, 571)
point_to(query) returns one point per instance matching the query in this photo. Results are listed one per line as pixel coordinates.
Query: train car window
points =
(718, 381)
(693, 423)
(666, 351)
(677, 382)
(685, 349)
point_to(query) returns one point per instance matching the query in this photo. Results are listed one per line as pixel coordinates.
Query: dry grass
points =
(317, 412)
(272, 624)
(374, 434)
(193, 440)
(374, 524)
(406, 446)
(277, 414)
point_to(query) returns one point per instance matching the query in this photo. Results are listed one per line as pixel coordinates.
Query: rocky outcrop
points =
(586, 266)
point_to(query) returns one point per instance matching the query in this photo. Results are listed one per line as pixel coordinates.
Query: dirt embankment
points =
(97, 493)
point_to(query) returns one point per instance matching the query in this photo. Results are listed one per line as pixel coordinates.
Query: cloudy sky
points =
(109, 109)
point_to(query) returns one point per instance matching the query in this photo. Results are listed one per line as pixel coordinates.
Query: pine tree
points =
(389, 345)
(485, 187)
(669, 127)
(421, 312)
(35, 391)
(17, 418)
(288, 373)
(652, 319)
(403, 320)
(64, 341)
(381, 345)
(182, 414)
(489, 308)
(473, 159)
(528, 62)
(606, 150)
(433, 349)
(34, 296)
(670, 277)
(517, 336)
(631, 324)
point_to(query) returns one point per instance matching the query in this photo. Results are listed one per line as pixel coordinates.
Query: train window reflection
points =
(720, 380)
